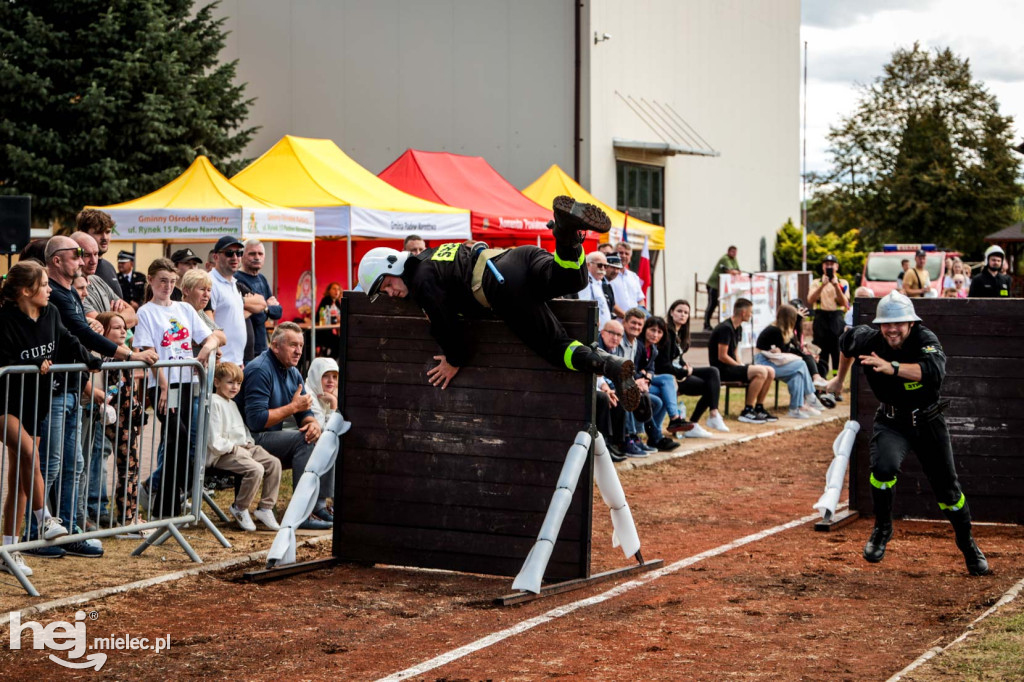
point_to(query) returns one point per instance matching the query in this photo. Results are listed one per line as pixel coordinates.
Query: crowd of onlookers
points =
(64, 303)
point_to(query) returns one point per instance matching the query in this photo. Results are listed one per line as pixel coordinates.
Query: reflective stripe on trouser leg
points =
(883, 485)
(954, 507)
(569, 350)
(569, 264)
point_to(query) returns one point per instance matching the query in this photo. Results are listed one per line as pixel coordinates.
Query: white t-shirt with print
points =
(229, 314)
(171, 330)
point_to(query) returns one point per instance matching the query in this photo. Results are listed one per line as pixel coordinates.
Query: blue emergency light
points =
(908, 247)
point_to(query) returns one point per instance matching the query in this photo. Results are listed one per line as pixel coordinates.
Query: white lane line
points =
(566, 609)
(1007, 597)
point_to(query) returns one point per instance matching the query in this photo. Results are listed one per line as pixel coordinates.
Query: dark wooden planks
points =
(984, 343)
(460, 478)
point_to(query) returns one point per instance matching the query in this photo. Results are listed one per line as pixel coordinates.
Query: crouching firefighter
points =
(454, 281)
(904, 365)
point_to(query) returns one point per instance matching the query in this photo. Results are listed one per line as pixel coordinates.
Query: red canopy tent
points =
(499, 213)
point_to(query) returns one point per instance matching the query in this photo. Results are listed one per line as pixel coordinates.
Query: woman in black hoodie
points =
(31, 333)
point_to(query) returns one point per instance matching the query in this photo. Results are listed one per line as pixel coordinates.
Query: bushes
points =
(845, 247)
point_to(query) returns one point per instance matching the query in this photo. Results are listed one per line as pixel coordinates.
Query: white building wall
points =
(731, 69)
(491, 78)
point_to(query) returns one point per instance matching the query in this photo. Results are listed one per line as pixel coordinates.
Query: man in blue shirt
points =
(273, 391)
(249, 274)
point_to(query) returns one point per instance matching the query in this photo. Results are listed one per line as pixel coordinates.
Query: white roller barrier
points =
(532, 573)
(836, 474)
(282, 550)
(624, 530)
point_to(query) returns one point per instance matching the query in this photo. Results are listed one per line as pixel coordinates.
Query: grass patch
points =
(994, 652)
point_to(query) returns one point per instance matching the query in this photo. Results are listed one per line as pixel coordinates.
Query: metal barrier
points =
(55, 443)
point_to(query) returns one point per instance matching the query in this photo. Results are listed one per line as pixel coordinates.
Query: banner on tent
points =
(368, 222)
(761, 289)
(202, 225)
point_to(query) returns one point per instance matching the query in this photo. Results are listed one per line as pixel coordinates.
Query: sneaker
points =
(90, 549)
(679, 425)
(749, 416)
(717, 423)
(20, 561)
(811, 411)
(313, 523)
(797, 413)
(266, 517)
(838, 397)
(51, 552)
(615, 452)
(826, 399)
(765, 414)
(243, 518)
(324, 513)
(820, 382)
(632, 449)
(697, 431)
(666, 445)
(811, 400)
(646, 447)
(53, 529)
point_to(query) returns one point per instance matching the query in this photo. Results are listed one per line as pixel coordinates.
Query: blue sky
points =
(850, 41)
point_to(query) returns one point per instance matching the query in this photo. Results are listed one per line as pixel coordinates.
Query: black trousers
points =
(828, 327)
(174, 427)
(705, 382)
(532, 278)
(709, 312)
(893, 439)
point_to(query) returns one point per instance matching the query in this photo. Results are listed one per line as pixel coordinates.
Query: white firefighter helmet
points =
(376, 264)
(895, 307)
(994, 250)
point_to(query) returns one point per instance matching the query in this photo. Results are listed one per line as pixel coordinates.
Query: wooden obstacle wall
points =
(460, 478)
(984, 344)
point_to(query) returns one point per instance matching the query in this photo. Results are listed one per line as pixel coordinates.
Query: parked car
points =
(882, 267)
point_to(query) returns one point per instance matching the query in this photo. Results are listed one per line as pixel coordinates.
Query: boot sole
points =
(629, 392)
(579, 216)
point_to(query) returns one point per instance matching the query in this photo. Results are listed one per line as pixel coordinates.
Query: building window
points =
(640, 191)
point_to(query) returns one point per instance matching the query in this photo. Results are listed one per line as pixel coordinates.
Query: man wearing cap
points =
(133, 284)
(915, 280)
(904, 365)
(830, 297)
(611, 274)
(990, 282)
(226, 300)
(185, 260)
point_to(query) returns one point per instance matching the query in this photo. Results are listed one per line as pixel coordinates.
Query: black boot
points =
(976, 562)
(874, 550)
(572, 216)
(619, 370)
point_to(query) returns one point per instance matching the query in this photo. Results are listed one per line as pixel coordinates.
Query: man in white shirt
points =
(225, 299)
(596, 265)
(627, 287)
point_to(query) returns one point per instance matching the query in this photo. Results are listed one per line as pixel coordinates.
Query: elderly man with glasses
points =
(597, 265)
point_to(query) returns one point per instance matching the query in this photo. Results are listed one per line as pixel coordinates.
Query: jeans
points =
(62, 458)
(653, 426)
(664, 386)
(796, 376)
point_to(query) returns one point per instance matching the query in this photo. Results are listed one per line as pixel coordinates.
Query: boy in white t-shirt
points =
(171, 328)
(230, 447)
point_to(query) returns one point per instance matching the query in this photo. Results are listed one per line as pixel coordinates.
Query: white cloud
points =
(842, 13)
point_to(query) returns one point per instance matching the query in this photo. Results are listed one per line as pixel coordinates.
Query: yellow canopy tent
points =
(203, 205)
(348, 200)
(555, 181)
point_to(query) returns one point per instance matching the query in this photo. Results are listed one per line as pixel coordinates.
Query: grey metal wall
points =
(492, 78)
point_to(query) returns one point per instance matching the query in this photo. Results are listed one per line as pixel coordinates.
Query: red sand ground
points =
(796, 605)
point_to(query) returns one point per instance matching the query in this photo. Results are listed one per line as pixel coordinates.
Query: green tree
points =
(845, 247)
(105, 100)
(925, 157)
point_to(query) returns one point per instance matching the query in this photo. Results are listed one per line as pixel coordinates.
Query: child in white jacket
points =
(230, 447)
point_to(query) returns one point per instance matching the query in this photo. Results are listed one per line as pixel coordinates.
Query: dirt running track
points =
(793, 605)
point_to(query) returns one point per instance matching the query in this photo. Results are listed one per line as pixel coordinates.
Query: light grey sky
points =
(849, 41)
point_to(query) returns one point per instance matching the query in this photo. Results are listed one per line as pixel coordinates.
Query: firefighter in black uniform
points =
(904, 365)
(453, 281)
(990, 283)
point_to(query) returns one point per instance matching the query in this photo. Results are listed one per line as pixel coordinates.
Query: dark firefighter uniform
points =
(987, 285)
(441, 281)
(910, 418)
